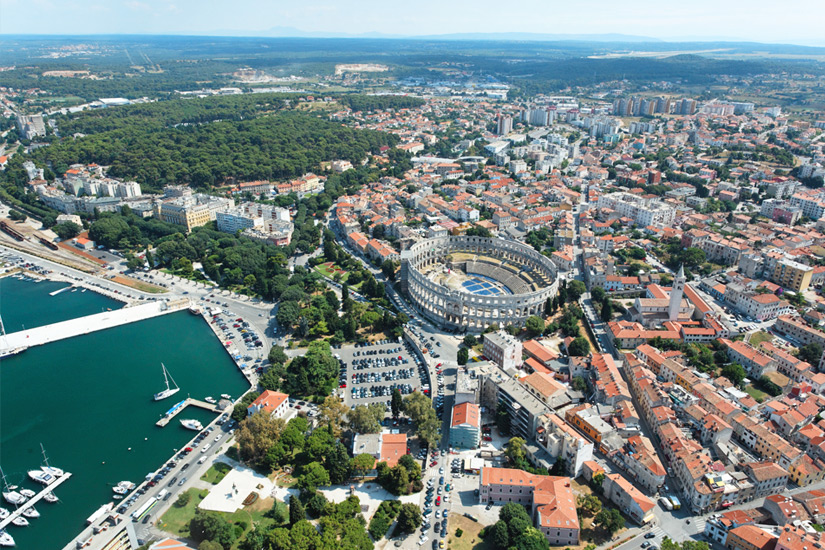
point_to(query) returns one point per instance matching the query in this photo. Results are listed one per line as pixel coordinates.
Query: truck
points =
(675, 501)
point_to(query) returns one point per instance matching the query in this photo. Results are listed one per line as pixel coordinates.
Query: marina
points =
(114, 373)
(35, 499)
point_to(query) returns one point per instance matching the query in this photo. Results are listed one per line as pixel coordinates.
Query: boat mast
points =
(167, 373)
(165, 377)
(45, 458)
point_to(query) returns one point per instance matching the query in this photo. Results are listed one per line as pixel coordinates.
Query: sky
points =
(790, 21)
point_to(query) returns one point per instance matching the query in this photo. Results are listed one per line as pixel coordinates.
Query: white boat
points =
(30, 512)
(168, 392)
(4, 513)
(28, 493)
(210, 400)
(191, 424)
(20, 521)
(5, 539)
(117, 497)
(10, 494)
(226, 396)
(13, 497)
(56, 472)
(41, 477)
(123, 487)
(50, 498)
(120, 490)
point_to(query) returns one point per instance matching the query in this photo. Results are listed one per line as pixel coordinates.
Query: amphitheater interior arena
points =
(466, 284)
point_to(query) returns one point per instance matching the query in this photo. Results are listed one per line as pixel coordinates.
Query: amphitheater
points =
(468, 283)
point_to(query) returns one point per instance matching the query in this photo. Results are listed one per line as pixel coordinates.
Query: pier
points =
(84, 325)
(34, 500)
(59, 290)
(177, 409)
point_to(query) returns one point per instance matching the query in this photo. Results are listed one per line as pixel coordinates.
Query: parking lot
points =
(238, 334)
(369, 372)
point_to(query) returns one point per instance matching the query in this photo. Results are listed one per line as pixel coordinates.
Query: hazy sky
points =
(790, 21)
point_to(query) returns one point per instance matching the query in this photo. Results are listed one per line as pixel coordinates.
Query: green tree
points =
(362, 463)
(279, 512)
(211, 526)
(396, 402)
(17, 216)
(811, 353)
(409, 518)
(316, 505)
(331, 414)
(500, 535)
(511, 511)
(462, 356)
(589, 505)
(66, 230)
(579, 384)
(575, 289)
(183, 499)
(239, 412)
(209, 545)
(296, 510)
(534, 325)
(597, 294)
(470, 341)
(609, 519)
(607, 310)
(366, 419)
(734, 372)
(256, 435)
(338, 465)
(313, 475)
(515, 450)
(579, 347)
(277, 356)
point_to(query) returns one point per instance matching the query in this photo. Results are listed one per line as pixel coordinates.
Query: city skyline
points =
(701, 20)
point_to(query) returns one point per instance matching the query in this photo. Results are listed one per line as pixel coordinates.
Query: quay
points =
(35, 499)
(84, 325)
(177, 409)
(59, 290)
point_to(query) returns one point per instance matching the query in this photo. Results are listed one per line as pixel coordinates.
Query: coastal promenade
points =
(85, 325)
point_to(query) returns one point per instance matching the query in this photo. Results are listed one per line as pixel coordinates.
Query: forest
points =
(281, 146)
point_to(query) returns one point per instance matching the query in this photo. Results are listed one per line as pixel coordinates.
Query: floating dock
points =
(59, 290)
(177, 409)
(35, 499)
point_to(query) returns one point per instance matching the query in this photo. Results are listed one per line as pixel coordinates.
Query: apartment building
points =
(754, 361)
(503, 350)
(561, 441)
(644, 212)
(792, 275)
(586, 419)
(628, 498)
(811, 201)
(550, 500)
(639, 458)
(760, 306)
(763, 441)
(799, 331)
(465, 426)
(767, 477)
(750, 537)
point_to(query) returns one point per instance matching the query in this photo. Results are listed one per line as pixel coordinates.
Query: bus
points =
(141, 512)
(675, 501)
(666, 504)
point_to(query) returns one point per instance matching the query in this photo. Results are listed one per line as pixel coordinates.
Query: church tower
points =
(676, 295)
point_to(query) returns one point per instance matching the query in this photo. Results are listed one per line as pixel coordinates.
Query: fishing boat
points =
(20, 521)
(56, 472)
(123, 487)
(168, 392)
(210, 400)
(6, 540)
(50, 498)
(30, 512)
(28, 493)
(41, 477)
(11, 495)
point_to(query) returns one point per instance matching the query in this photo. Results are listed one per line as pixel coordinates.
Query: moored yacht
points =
(6, 540)
(210, 400)
(168, 391)
(50, 497)
(30, 512)
(191, 424)
(28, 493)
(56, 472)
(20, 521)
(41, 477)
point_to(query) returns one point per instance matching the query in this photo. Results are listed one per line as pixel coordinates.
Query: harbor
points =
(114, 373)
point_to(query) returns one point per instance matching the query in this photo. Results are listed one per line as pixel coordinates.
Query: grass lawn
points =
(139, 285)
(758, 395)
(328, 269)
(216, 473)
(469, 539)
(759, 337)
(176, 519)
(589, 534)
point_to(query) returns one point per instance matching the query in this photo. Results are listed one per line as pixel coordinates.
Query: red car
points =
(239, 320)
(343, 385)
(433, 463)
(487, 438)
(187, 450)
(236, 325)
(438, 500)
(439, 365)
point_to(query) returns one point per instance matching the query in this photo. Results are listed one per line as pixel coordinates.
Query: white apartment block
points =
(503, 350)
(644, 212)
(812, 203)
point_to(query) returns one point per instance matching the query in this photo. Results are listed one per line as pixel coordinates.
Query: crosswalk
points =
(697, 525)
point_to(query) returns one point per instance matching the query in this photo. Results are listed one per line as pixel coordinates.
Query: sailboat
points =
(168, 391)
(11, 496)
(6, 540)
(56, 472)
